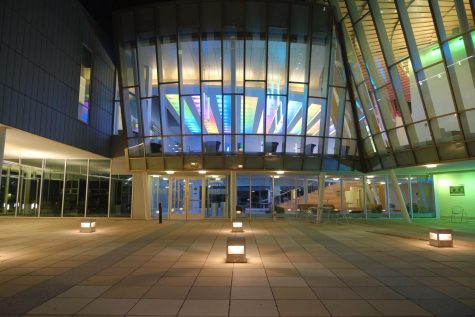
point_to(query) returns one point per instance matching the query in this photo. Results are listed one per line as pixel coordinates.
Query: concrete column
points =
(399, 196)
(321, 191)
(141, 196)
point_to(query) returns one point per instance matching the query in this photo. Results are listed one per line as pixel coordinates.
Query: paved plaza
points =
(295, 268)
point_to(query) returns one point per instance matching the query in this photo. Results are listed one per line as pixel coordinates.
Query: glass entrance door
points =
(186, 198)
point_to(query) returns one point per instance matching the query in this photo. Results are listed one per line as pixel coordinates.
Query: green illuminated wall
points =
(445, 201)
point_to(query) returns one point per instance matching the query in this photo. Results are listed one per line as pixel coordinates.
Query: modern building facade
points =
(223, 109)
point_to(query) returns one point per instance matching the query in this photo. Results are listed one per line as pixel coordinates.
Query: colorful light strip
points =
(250, 113)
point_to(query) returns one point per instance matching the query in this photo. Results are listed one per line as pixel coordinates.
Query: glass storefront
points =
(69, 188)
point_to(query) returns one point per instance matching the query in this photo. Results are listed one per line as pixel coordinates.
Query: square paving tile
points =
(61, 306)
(84, 291)
(167, 292)
(108, 306)
(301, 308)
(247, 292)
(293, 293)
(398, 308)
(335, 293)
(253, 308)
(209, 292)
(340, 307)
(209, 308)
(160, 307)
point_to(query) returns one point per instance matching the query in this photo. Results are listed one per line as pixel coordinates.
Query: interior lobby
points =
(237, 158)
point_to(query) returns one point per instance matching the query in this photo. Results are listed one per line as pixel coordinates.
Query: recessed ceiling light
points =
(202, 172)
(239, 165)
(431, 165)
(370, 176)
(170, 172)
(280, 172)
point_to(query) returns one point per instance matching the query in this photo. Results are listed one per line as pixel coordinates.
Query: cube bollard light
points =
(441, 238)
(236, 250)
(88, 225)
(237, 226)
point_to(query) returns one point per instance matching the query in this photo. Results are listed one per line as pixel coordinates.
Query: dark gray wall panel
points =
(40, 54)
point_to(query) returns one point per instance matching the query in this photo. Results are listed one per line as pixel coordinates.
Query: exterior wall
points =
(445, 201)
(40, 55)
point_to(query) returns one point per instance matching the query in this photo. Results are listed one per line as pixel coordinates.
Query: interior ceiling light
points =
(280, 172)
(431, 165)
(202, 172)
(170, 172)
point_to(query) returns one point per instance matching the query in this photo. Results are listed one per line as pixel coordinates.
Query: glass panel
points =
(332, 146)
(353, 199)
(398, 139)
(393, 29)
(274, 144)
(189, 64)
(255, 144)
(212, 144)
(121, 196)
(243, 196)
(468, 123)
(314, 116)
(446, 129)
(420, 134)
(195, 190)
(423, 202)
(191, 144)
(349, 129)
(170, 106)
(131, 110)
(296, 111)
(424, 31)
(8, 189)
(275, 114)
(394, 205)
(29, 190)
(313, 146)
(168, 59)
(449, 18)
(213, 109)
(151, 116)
(335, 112)
(338, 70)
(411, 90)
(461, 73)
(191, 114)
(287, 196)
(85, 85)
(254, 107)
(435, 90)
(98, 188)
(319, 64)
(159, 196)
(376, 200)
(298, 65)
(53, 181)
(277, 61)
(75, 188)
(332, 194)
(172, 144)
(210, 57)
(294, 144)
(216, 196)
(233, 64)
(178, 197)
(255, 57)
(129, 64)
(388, 107)
(147, 66)
(261, 196)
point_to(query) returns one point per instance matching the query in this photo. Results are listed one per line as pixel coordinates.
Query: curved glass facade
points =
(259, 84)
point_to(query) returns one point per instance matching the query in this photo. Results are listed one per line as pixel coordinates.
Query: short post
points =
(160, 216)
(441, 238)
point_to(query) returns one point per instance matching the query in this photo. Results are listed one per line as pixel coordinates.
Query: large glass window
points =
(85, 85)
(121, 196)
(98, 188)
(75, 188)
(53, 182)
(9, 188)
